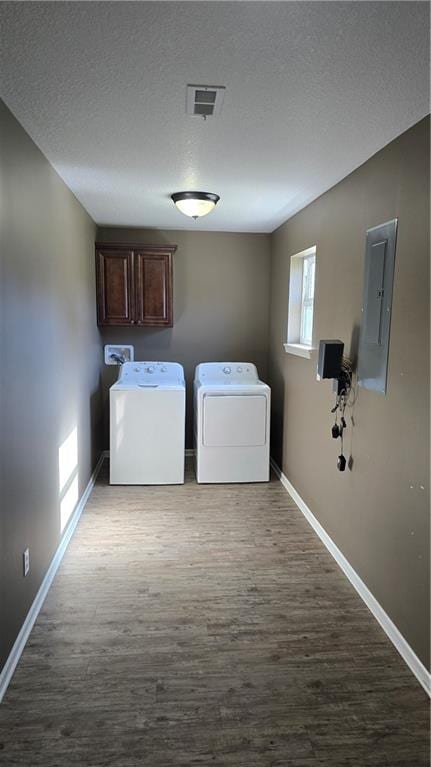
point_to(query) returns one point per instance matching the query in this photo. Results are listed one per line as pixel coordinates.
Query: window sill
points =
(300, 350)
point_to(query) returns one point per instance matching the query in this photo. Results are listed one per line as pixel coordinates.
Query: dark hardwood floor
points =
(207, 625)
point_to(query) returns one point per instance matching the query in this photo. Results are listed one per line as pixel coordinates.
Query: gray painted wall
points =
(378, 514)
(50, 363)
(221, 304)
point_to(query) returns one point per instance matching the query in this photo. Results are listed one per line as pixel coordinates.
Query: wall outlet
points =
(125, 351)
(26, 562)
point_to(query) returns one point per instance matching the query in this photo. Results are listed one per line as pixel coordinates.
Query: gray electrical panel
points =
(377, 306)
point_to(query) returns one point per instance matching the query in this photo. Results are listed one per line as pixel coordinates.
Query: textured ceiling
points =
(312, 90)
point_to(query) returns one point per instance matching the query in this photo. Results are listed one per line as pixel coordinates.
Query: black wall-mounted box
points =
(330, 359)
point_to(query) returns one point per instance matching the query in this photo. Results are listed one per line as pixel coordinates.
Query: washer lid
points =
(150, 375)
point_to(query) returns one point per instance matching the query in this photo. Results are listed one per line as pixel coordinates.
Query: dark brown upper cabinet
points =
(115, 300)
(153, 288)
(134, 284)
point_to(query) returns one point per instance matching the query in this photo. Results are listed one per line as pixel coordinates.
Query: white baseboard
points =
(21, 640)
(408, 655)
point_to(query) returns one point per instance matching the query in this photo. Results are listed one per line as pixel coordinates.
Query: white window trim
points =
(300, 350)
(293, 345)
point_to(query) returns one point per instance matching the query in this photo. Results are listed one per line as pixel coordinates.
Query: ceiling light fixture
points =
(195, 204)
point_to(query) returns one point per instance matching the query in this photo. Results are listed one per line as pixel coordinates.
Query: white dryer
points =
(231, 423)
(147, 424)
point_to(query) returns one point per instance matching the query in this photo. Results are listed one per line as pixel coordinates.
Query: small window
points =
(307, 302)
(301, 303)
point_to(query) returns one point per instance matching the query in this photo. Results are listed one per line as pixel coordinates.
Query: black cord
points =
(344, 388)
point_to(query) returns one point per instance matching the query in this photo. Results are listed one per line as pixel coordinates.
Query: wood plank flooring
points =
(207, 625)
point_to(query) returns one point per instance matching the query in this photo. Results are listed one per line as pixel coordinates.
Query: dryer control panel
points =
(226, 372)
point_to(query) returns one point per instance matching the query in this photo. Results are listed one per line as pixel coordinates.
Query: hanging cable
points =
(343, 390)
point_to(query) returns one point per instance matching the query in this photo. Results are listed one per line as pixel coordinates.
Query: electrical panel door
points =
(377, 306)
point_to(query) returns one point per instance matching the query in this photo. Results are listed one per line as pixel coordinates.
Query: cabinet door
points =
(115, 300)
(153, 288)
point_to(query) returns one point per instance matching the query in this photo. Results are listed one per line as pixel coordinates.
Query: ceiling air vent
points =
(205, 100)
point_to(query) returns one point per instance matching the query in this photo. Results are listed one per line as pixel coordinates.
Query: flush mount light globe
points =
(195, 204)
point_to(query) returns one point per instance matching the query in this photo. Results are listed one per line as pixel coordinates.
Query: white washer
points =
(232, 423)
(147, 412)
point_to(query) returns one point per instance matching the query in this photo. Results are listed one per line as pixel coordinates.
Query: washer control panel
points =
(151, 373)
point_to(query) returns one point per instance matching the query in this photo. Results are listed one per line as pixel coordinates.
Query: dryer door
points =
(234, 421)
